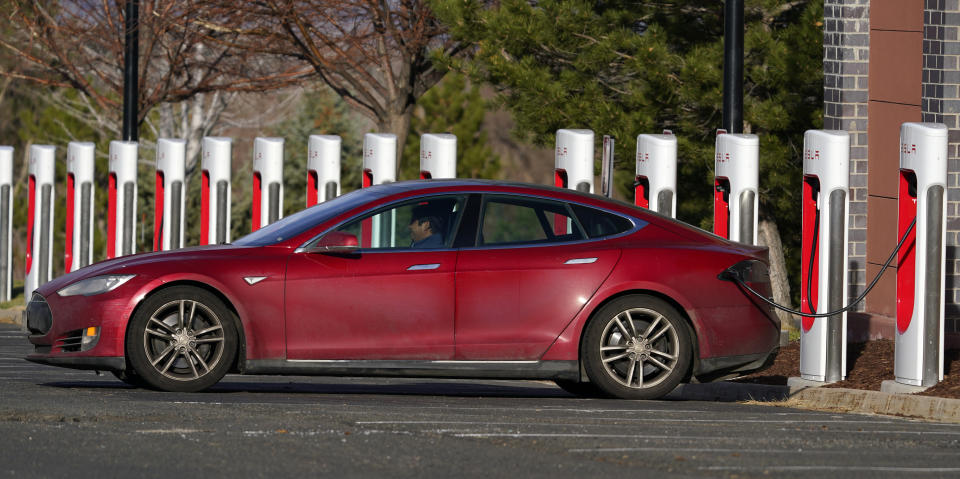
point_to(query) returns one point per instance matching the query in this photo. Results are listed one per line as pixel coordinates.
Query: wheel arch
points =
(240, 357)
(691, 329)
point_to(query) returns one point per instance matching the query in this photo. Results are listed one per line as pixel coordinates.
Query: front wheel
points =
(637, 347)
(182, 339)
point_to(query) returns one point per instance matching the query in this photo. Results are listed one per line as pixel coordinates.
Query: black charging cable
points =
(736, 279)
(813, 249)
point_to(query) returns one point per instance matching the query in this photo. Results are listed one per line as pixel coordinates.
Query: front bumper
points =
(56, 326)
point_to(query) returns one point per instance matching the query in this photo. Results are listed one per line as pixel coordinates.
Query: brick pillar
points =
(941, 104)
(846, 46)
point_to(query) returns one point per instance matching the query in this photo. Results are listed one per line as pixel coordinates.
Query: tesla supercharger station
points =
(920, 262)
(323, 168)
(736, 178)
(78, 243)
(168, 196)
(215, 161)
(438, 156)
(823, 286)
(267, 181)
(122, 199)
(39, 218)
(656, 180)
(6, 223)
(379, 159)
(573, 160)
(379, 167)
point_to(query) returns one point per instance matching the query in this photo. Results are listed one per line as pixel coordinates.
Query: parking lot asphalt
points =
(58, 422)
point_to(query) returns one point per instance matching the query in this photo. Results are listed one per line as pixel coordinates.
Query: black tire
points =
(581, 389)
(634, 331)
(181, 339)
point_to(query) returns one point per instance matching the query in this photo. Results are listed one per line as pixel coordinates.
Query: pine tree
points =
(625, 68)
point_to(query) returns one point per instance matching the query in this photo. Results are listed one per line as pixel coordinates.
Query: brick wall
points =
(846, 44)
(941, 104)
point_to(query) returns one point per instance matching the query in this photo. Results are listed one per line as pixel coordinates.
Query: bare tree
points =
(378, 55)
(187, 68)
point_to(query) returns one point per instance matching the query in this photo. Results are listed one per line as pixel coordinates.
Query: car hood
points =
(131, 264)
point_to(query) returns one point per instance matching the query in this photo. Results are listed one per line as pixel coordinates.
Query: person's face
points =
(419, 229)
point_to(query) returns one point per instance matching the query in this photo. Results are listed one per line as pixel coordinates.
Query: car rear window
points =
(599, 223)
(512, 220)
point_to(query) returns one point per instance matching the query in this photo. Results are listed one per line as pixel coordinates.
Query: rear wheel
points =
(637, 347)
(181, 339)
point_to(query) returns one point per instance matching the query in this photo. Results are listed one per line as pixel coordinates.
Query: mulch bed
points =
(868, 364)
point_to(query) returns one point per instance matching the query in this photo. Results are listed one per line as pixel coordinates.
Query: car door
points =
(530, 272)
(385, 300)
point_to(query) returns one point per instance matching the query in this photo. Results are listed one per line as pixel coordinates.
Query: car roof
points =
(388, 189)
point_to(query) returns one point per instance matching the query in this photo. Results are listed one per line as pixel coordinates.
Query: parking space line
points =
(932, 470)
(723, 421)
(797, 451)
(518, 435)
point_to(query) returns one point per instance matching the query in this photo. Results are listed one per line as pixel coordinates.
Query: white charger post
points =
(267, 181)
(41, 170)
(920, 262)
(78, 247)
(323, 168)
(438, 156)
(656, 180)
(823, 265)
(215, 162)
(573, 160)
(169, 195)
(122, 199)
(736, 182)
(6, 223)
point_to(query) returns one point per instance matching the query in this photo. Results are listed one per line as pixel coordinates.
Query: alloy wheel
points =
(184, 340)
(640, 348)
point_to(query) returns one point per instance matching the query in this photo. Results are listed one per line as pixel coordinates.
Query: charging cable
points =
(813, 249)
(736, 279)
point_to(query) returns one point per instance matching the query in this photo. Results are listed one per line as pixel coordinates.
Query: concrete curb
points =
(825, 399)
(11, 315)
(876, 402)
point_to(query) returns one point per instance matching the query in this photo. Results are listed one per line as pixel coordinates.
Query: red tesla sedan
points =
(452, 279)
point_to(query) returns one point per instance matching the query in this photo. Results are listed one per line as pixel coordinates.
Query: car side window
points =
(512, 220)
(422, 223)
(599, 223)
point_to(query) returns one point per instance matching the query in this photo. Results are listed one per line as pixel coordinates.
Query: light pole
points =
(131, 55)
(733, 66)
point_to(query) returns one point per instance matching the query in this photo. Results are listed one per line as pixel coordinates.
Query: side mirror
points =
(336, 242)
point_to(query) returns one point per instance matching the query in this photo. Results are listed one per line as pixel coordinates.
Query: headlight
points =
(96, 285)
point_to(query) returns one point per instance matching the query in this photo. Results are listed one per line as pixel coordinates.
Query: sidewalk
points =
(825, 399)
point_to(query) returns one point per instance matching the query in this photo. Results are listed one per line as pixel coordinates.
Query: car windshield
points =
(302, 221)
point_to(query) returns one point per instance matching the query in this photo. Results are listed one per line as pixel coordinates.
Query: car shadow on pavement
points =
(522, 389)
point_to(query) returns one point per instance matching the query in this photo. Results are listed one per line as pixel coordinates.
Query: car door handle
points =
(421, 267)
(581, 261)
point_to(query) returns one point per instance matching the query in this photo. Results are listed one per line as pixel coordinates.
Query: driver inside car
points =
(425, 228)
